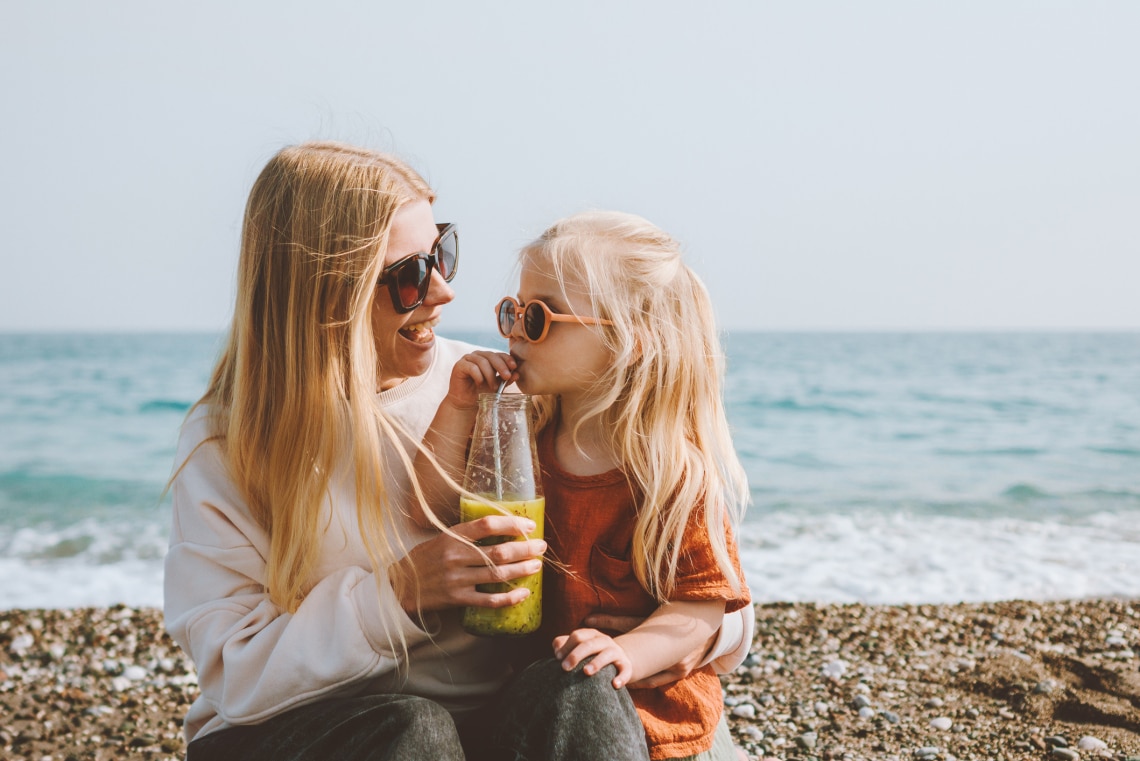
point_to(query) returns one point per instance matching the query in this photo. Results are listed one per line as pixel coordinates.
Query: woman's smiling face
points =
(404, 342)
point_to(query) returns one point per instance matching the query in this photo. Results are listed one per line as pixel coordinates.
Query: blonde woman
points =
(322, 622)
(616, 337)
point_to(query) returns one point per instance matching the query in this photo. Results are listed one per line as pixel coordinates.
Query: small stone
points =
(942, 722)
(135, 673)
(935, 703)
(1045, 687)
(891, 717)
(822, 708)
(863, 687)
(752, 732)
(929, 751)
(744, 711)
(1065, 753)
(835, 669)
(1056, 741)
(1088, 742)
(861, 701)
(866, 712)
(807, 740)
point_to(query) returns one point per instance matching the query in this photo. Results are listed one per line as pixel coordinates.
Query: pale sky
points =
(827, 165)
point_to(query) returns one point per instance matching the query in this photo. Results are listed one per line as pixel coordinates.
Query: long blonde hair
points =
(295, 386)
(661, 397)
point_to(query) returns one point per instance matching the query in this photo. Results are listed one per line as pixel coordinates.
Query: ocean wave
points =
(1119, 451)
(165, 405)
(28, 497)
(888, 559)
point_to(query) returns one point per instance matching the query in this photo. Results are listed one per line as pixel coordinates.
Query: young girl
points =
(615, 337)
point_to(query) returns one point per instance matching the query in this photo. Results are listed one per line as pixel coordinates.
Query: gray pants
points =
(544, 714)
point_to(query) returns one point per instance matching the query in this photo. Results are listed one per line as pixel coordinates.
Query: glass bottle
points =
(502, 469)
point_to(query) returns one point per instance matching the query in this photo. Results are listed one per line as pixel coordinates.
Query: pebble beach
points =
(1005, 680)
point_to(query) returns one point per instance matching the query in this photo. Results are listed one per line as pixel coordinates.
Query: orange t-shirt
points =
(589, 527)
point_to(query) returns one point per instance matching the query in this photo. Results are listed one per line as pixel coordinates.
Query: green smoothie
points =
(526, 616)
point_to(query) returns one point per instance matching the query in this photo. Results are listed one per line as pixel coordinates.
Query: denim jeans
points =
(544, 714)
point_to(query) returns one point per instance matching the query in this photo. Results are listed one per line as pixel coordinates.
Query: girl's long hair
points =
(294, 391)
(661, 397)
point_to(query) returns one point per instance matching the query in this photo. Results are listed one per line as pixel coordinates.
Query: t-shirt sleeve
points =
(699, 576)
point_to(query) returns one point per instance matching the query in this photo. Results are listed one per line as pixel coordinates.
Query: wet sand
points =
(1010, 680)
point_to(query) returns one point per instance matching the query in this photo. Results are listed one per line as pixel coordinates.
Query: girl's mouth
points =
(420, 332)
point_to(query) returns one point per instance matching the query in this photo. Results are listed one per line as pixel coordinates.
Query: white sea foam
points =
(870, 558)
(900, 558)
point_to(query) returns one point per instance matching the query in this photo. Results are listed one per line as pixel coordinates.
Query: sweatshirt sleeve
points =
(254, 660)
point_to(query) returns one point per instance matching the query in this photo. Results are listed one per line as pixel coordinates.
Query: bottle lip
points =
(503, 397)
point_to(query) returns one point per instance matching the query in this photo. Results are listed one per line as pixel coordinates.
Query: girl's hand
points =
(676, 672)
(581, 644)
(443, 571)
(479, 372)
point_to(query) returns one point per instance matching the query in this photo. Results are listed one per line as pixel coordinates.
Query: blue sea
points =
(885, 468)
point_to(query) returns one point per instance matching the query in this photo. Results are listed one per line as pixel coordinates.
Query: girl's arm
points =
(671, 632)
(475, 373)
(724, 652)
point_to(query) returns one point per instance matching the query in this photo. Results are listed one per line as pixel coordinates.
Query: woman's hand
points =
(479, 372)
(443, 571)
(581, 644)
(678, 670)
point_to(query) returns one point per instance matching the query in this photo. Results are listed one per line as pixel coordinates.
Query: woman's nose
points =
(439, 290)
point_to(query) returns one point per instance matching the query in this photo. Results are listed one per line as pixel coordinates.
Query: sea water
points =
(884, 468)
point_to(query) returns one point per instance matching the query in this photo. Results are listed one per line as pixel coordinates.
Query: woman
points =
(322, 623)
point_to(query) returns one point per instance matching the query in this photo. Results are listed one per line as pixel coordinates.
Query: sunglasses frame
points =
(520, 310)
(443, 229)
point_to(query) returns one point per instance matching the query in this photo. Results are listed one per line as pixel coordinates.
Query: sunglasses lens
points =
(447, 255)
(534, 321)
(506, 317)
(411, 281)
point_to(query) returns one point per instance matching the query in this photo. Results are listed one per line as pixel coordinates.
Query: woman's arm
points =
(450, 431)
(673, 631)
(254, 659)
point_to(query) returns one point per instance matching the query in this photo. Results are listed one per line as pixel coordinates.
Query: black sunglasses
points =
(408, 280)
(536, 318)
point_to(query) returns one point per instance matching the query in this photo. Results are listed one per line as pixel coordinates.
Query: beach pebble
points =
(929, 751)
(807, 740)
(135, 673)
(1065, 753)
(835, 669)
(942, 722)
(744, 711)
(891, 717)
(1088, 742)
(935, 703)
(1057, 741)
(1045, 687)
(21, 643)
(753, 733)
(866, 712)
(822, 708)
(863, 687)
(861, 701)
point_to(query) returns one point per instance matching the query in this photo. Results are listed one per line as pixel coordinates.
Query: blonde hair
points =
(295, 386)
(661, 397)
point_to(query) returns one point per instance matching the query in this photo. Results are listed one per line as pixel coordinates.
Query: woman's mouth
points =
(420, 332)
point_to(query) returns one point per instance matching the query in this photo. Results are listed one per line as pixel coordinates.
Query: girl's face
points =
(572, 356)
(404, 341)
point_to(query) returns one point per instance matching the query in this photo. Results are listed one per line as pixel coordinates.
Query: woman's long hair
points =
(294, 390)
(661, 397)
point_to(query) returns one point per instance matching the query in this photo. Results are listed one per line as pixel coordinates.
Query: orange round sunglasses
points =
(536, 318)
